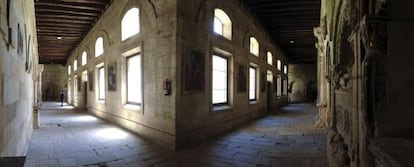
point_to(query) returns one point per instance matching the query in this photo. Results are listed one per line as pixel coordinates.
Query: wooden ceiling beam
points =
(47, 16)
(60, 12)
(71, 21)
(69, 26)
(67, 6)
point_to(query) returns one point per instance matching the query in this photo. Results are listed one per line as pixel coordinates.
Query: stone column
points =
(322, 102)
(373, 34)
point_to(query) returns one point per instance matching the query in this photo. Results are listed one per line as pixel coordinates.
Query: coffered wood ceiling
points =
(62, 24)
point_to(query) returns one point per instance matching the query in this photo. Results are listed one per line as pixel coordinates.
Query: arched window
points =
(84, 58)
(99, 50)
(269, 58)
(285, 69)
(75, 65)
(279, 65)
(254, 46)
(69, 70)
(130, 23)
(222, 23)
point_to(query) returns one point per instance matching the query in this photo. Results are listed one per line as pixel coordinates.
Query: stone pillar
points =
(323, 92)
(373, 34)
(36, 116)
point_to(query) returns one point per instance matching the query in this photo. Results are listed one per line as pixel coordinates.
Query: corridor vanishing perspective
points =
(73, 137)
(207, 83)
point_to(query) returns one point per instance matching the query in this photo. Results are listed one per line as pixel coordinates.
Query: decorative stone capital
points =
(374, 32)
(319, 32)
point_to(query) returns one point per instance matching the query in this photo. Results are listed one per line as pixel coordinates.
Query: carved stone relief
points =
(337, 150)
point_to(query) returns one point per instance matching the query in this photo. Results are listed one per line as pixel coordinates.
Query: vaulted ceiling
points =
(290, 23)
(62, 24)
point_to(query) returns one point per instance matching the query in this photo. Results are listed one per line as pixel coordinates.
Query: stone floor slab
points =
(71, 137)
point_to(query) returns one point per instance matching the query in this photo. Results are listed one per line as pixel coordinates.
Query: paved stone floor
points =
(74, 138)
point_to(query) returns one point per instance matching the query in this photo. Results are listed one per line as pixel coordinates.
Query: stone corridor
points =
(69, 137)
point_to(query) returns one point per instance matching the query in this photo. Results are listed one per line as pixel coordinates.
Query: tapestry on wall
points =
(242, 79)
(112, 77)
(193, 70)
(90, 80)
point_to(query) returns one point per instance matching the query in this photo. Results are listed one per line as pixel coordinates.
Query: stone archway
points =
(50, 92)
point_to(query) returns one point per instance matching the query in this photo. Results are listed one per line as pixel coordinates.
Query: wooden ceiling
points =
(290, 23)
(62, 24)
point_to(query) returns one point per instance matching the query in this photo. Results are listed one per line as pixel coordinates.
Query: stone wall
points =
(197, 118)
(156, 43)
(363, 56)
(54, 80)
(169, 29)
(18, 74)
(302, 83)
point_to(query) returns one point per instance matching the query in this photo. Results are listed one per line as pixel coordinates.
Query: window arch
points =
(279, 65)
(75, 65)
(222, 24)
(254, 46)
(269, 58)
(84, 58)
(130, 24)
(99, 50)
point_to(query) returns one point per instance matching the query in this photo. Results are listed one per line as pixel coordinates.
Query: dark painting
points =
(79, 80)
(193, 70)
(242, 79)
(262, 82)
(112, 77)
(90, 80)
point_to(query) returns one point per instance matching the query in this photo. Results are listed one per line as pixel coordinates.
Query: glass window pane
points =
(219, 75)
(269, 58)
(252, 83)
(219, 96)
(84, 58)
(130, 24)
(101, 83)
(279, 65)
(134, 80)
(75, 65)
(254, 46)
(218, 26)
(99, 47)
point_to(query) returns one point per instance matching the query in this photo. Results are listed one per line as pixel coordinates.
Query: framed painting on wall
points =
(79, 80)
(242, 79)
(193, 67)
(90, 80)
(112, 77)
(262, 81)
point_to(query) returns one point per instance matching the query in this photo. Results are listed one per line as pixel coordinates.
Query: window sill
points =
(134, 107)
(253, 102)
(102, 101)
(221, 108)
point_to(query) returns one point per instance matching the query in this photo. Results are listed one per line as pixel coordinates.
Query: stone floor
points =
(69, 137)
